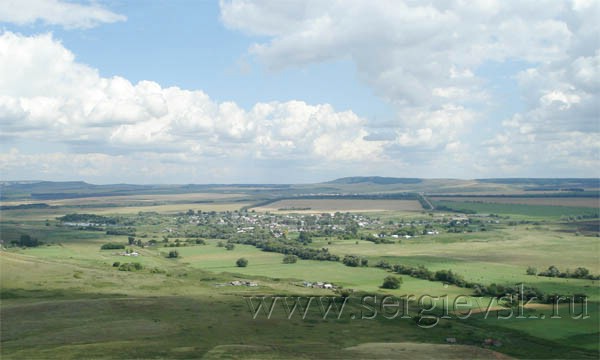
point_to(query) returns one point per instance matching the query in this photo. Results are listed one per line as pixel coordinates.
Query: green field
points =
(65, 299)
(539, 211)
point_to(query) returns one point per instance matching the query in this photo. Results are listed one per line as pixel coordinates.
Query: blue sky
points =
(242, 91)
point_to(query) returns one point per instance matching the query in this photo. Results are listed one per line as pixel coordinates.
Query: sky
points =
(177, 91)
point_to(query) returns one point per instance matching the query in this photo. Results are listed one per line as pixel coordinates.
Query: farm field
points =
(539, 211)
(66, 297)
(589, 202)
(334, 205)
(132, 199)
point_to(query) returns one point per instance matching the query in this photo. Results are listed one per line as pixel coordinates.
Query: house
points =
(327, 286)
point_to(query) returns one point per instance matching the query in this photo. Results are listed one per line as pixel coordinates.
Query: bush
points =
(229, 246)
(116, 264)
(531, 270)
(304, 237)
(345, 292)
(383, 264)
(27, 241)
(241, 262)
(112, 246)
(391, 282)
(173, 254)
(290, 259)
(130, 267)
(200, 242)
(351, 260)
(449, 277)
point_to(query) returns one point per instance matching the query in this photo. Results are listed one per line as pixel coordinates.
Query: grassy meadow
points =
(66, 299)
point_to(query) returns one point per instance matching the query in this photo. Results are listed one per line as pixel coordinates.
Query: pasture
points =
(67, 300)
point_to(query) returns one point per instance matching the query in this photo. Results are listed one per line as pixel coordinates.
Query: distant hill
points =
(375, 180)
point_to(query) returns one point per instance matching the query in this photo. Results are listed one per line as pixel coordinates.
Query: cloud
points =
(56, 12)
(48, 97)
(425, 59)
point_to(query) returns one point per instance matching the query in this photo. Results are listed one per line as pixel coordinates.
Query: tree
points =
(229, 246)
(551, 272)
(351, 260)
(290, 259)
(392, 282)
(531, 270)
(173, 254)
(131, 240)
(26, 241)
(112, 246)
(304, 237)
(241, 262)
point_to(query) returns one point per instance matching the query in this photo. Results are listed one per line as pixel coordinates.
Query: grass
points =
(67, 301)
(538, 211)
(501, 256)
(544, 201)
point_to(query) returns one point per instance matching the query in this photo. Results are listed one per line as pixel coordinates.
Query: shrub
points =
(290, 259)
(229, 246)
(112, 246)
(241, 262)
(345, 292)
(391, 282)
(383, 264)
(130, 267)
(304, 237)
(351, 260)
(173, 254)
(116, 264)
(531, 270)
(27, 241)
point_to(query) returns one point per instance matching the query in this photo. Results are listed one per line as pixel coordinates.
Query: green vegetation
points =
(539, 211)
(290, 259)
(26, 241)
(112, 246)
(578, 273)
(69, 299)
(391, 282)
(130, 266)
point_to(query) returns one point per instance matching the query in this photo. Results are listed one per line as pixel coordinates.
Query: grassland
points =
(66, 300)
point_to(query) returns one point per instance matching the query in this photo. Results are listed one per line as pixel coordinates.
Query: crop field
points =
(540, 211)
(578, 202)
(132, 199)
(68, 298)
(342, 205)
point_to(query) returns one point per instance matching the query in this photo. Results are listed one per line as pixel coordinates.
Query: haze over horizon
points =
(298, 92)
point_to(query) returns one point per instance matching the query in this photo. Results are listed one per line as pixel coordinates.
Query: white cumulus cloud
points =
(56, 12)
